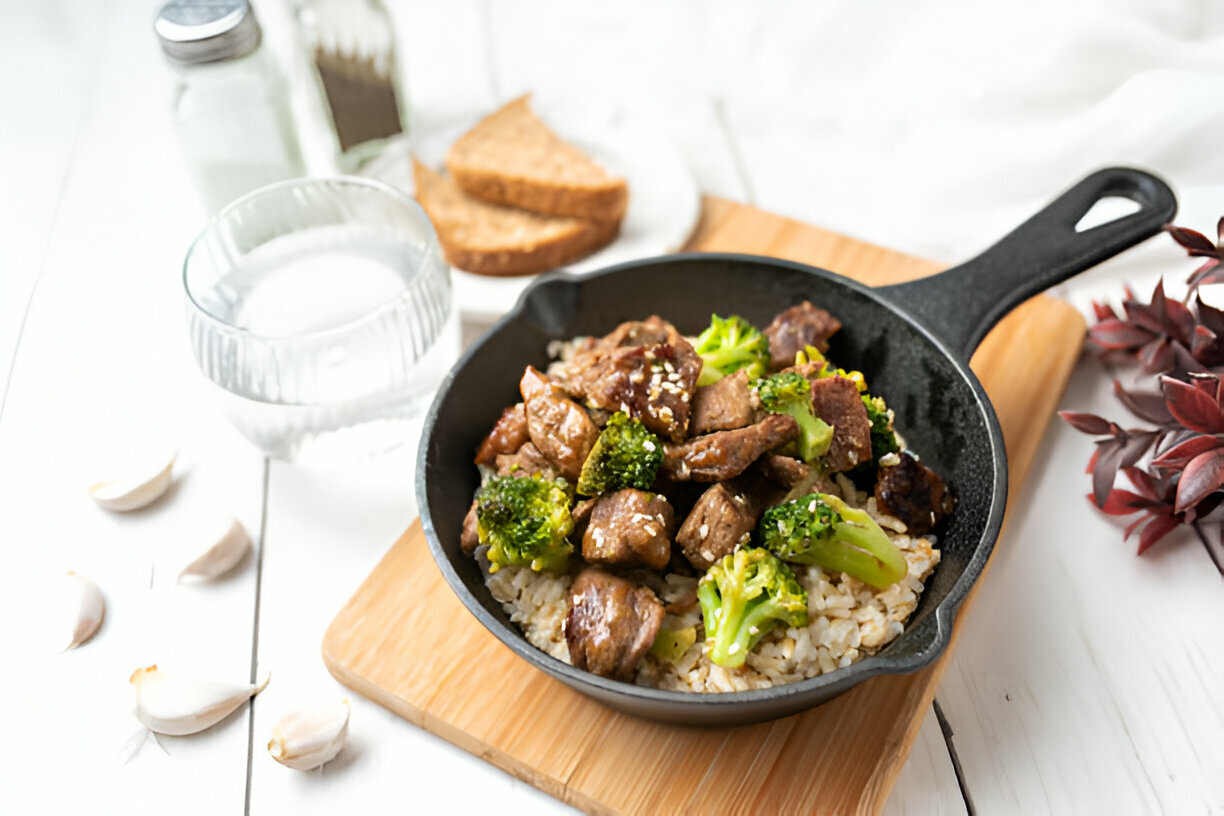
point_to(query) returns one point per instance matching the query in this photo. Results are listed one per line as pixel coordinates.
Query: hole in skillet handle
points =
(961, 305)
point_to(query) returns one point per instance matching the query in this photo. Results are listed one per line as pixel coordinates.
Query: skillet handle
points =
(962, 304)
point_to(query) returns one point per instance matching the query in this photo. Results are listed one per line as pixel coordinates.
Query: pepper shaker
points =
(351, 46)
(231, 103)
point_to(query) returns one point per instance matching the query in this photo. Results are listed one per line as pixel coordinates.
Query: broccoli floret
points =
(821, 529)
(883, 437)
(525, 521)
(789, 393)
(671, 644)
(729, 344)
(811, 354)
(742, 597)
(624, 455)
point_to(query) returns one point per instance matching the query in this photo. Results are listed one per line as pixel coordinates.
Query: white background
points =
(1085, 679)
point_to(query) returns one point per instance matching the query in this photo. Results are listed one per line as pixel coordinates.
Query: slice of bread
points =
(493, 240)
(511, 157)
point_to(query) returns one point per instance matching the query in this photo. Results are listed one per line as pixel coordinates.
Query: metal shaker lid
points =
(194, 31)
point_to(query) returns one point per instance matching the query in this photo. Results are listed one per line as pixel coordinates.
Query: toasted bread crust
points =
(490, 239)
(511, 157)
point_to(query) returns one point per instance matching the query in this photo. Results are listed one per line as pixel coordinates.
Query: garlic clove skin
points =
(172, 704)
(308, 737)
(123, 495)
(222, 555)
(86, 608)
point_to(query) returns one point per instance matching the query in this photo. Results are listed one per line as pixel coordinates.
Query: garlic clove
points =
(222, 555)
(122, 495)
(172, 704)
(86, 607)
(308, 737)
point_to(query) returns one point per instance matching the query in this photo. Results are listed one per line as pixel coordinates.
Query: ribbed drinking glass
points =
(322, 311)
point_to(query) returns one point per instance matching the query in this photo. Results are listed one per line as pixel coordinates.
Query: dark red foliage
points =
(1183, 343)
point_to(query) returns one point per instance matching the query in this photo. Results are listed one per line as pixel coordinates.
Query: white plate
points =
(664, 202)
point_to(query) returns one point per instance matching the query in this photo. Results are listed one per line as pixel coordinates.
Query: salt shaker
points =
(351, 45)
(231, 104)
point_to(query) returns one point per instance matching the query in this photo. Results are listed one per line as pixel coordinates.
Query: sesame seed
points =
(752, 630)
(734, 648)
(649, 530)
(703, 531)
(648, 445)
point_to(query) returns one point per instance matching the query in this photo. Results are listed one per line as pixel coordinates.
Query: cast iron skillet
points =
(912, 340)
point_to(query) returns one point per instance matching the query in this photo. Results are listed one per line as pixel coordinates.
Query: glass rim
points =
(276, 186)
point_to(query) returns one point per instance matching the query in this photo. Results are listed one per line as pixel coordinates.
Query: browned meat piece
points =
(535, 384)
(723, 455)
(914, 493)
(649, 332)
(507, 436)
(653, 383)
(611, 623)
(469, 539)
(721, 519)
(799, 326)
(526, 461)
(722, 406)
(558, 426)
(630, 527)
(784, 470)
(581, 514)
(837, 402)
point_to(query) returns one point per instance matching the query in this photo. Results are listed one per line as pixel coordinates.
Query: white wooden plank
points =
(1087, 679)
(48, 46)
(326, 531)
(104, 369)
(927, 783)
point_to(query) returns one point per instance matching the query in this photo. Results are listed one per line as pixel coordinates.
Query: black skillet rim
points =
(870, 666)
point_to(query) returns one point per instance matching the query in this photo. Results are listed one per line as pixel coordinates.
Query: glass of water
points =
(322, 311)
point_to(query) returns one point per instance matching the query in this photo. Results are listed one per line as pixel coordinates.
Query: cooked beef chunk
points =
(630, 527)
(469, 538)
(914, 493)
(784, 470)
(632, 334)
(722, 406)
(535, 384)
(611, 623)
(837, 402)
(723, 455)
(799, 326)
(557, 425)
(526, 461)
(507, 436)
(721, 519)
(652, 383)
(649, 332)
(581, 514)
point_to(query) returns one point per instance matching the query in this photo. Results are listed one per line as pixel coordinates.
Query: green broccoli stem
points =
(815, 435)
(734, 625)
(719, 363)
(861, 548)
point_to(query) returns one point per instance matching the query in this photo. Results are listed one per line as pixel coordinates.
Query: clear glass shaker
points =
(351, 48)
(231, 103)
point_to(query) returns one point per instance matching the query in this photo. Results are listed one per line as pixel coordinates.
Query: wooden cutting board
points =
(405, 641)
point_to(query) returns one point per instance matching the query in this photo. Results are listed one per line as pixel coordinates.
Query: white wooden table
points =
(1085, 679)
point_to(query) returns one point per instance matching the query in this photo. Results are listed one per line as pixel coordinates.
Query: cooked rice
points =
(848, 619)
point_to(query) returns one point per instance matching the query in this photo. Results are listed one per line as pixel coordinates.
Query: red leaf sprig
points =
(1183, 344)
